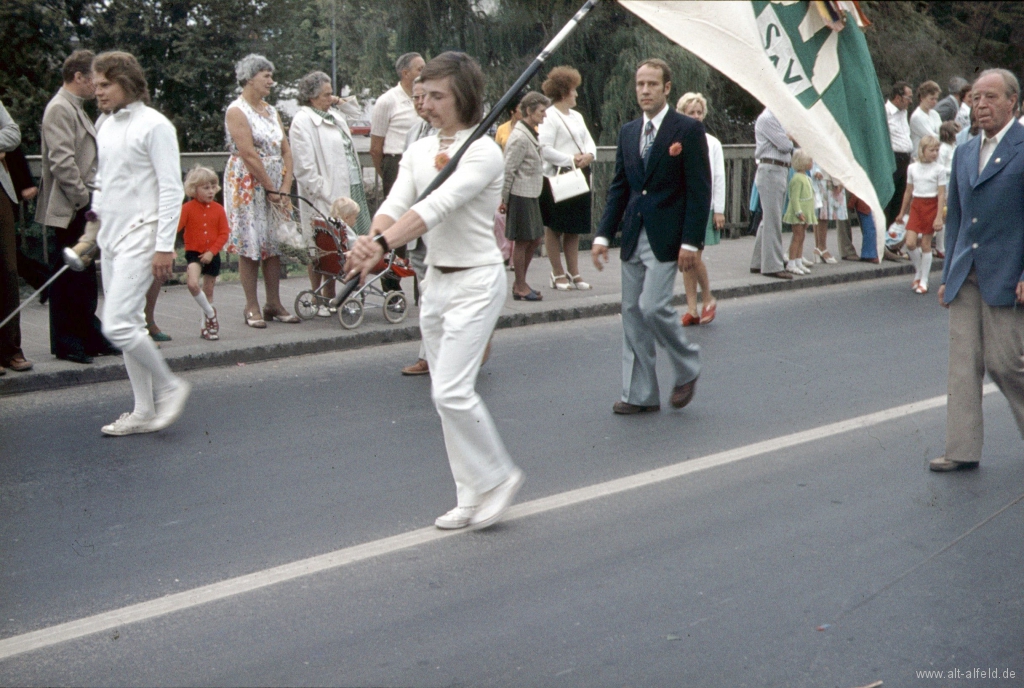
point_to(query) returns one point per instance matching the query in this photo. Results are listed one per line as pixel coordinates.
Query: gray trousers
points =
(771, 181)
(417, 258)
(981, 338)
(648, 317)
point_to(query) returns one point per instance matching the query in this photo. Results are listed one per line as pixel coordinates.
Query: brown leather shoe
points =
(19, 363)
(420, 367)
(944, 465)
(683, 394)
(626, 409)
(780, 275)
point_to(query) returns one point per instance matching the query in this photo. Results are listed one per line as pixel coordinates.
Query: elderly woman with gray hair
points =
(326, 162)
(257, 177)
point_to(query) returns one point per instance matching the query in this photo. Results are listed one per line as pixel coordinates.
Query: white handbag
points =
(568, 184)
(572, 182)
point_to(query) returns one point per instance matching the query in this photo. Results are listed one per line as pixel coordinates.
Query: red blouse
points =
(205, 225)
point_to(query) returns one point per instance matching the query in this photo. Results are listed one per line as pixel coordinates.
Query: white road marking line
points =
(46, 637)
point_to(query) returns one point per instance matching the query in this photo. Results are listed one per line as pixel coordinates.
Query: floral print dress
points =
(245, 200)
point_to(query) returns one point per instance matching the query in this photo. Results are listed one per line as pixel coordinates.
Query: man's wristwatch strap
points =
(383, 242)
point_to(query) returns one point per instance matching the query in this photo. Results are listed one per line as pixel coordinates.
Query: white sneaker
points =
(128, 424)
(456, 518)
(496, 501)
(170, 405)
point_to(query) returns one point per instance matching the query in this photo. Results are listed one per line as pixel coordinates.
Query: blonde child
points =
(206, 231)
(924, 199)
(800, 210)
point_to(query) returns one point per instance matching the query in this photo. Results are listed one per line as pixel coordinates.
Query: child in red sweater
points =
(206, 230)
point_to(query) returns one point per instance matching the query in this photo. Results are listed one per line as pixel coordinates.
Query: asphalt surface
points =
(835, 563)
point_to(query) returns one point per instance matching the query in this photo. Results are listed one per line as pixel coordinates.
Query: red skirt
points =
(922, 215)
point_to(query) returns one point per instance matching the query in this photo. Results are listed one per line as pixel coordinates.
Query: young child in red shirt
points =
(206, 230)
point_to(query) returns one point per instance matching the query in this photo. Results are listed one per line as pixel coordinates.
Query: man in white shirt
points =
(900, 98)
(137, 203)
(394, 114)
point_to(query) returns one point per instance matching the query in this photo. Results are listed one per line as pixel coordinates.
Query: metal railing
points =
(739, 174)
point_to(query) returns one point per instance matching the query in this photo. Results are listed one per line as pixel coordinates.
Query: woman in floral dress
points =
(257, 177)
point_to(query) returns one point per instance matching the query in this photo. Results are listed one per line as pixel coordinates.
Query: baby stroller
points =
(330, 245)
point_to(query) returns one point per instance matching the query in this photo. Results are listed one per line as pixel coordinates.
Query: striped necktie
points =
(645, 154)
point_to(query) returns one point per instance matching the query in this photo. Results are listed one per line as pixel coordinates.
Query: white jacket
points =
(138, 176)
(321, 163)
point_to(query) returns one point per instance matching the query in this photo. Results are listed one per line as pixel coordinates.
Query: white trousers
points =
(127, 275)
(457, 316)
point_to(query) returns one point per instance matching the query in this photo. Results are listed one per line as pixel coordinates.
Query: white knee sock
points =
(926, 268)
(915, 258)
(142, 386)
(148, 356)
(204, 303)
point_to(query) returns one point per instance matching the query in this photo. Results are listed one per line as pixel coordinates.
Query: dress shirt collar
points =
(656, 120)
(128, 110)
(324, 116)
(998, 137)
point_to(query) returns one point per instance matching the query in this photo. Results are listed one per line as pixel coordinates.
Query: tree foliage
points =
(189, 48)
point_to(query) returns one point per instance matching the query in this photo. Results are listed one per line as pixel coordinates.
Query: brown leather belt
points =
(447, 270)
(775, 162)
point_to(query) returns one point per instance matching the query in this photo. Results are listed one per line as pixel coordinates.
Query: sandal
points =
(532, 296)
(254, 320)
(211, 328)
(280, 316)
(578, 282)
(560, 286)
(707, 314)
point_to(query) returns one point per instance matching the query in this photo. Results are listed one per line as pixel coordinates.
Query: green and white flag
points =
(809, 64)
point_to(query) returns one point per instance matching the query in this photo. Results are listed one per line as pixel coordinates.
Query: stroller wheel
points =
(395, 307)
(350, 313)
(306, 305)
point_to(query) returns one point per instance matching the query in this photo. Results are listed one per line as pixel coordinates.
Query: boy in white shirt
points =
(137, 205)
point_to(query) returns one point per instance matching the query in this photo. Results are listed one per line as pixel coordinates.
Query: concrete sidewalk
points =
(178, 315)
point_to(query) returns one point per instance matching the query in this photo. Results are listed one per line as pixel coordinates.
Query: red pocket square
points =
(675, 149)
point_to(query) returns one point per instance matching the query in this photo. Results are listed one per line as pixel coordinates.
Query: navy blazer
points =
(985, 219)
(671, 198)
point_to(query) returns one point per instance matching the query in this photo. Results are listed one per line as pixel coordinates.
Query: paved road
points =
(717, 578)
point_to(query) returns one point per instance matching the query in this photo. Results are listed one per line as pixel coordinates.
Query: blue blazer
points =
(985, 219)
(671, 198)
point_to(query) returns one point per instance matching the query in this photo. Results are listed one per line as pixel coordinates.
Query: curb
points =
(111, 369)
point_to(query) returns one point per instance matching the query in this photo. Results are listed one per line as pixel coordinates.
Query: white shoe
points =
(456, 518)
(323, 312)
(495, 502)
(577, 281)
(792, 267)
(560, 286)
(806, 263)
(128, 424)
(170, 405)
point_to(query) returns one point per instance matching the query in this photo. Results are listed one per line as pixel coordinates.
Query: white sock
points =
(142, 386)
(915, 258)
(148, 357)
(204, 303)
(926, 268)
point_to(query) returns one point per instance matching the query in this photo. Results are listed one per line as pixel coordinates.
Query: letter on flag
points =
(809, 64)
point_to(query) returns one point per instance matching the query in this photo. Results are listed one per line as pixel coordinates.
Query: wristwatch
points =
(383, 242)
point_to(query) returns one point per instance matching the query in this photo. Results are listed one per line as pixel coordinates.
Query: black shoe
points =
(106, 351)
(77, 357)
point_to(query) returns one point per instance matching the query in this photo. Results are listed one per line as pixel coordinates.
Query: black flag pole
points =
(494, 114)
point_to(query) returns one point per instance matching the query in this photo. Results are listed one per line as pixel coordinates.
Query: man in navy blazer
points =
(983, 276)
(659, 198)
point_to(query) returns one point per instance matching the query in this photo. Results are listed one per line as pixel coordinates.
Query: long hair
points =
(123, 69)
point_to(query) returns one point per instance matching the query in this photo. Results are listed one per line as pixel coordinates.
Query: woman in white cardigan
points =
(696, 106)
(326, 163)
(565, 142)
(467, 279)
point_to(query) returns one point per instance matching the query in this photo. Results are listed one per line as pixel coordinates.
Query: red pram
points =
(330, 244)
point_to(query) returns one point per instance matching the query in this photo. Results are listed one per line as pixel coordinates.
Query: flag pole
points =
(492, 116)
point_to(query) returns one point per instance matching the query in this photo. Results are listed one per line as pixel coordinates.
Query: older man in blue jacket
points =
(660, 198)
(983, 277)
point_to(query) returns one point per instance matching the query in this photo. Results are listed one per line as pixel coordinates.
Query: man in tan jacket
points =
(69, 170)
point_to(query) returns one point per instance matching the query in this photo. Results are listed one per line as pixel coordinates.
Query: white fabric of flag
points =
(819, 82)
